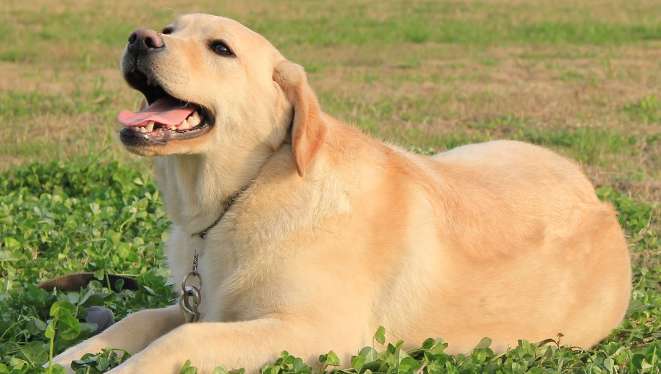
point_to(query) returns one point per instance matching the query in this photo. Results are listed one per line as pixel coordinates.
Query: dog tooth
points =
(194, 119)
(150, 126)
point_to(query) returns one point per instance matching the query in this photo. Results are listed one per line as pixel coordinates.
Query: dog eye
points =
(220, 48)
(167, 30)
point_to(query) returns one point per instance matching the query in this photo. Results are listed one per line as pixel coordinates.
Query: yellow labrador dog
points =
(306, 234)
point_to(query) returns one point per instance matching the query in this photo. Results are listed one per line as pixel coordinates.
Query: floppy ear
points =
(309, 129)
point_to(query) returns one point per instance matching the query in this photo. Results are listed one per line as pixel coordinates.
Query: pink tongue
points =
(166, 111)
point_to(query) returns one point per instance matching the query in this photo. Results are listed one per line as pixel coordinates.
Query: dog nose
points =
(144, 40)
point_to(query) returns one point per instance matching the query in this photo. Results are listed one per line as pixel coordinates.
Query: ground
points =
(582, 79)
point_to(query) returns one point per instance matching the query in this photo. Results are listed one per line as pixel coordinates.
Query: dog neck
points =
(195, 187)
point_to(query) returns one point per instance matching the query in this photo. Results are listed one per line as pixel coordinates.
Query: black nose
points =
(144, 40)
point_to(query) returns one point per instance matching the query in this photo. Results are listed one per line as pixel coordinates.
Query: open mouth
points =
(164, 119)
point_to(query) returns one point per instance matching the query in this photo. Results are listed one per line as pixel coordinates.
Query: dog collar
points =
(227, 204)
(191, 286)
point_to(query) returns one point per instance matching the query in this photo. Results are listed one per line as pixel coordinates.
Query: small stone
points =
(100, 316)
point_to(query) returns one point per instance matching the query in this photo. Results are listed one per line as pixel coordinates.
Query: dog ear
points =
(308, 130)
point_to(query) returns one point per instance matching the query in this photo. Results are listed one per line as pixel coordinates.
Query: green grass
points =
(339, 24)
(647, 109)
(578, 77)
(16, 104)
(56, 219)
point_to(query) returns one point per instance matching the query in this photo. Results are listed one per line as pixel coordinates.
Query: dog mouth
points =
(164, 119)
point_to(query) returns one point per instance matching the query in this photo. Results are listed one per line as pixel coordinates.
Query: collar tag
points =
(191, 293)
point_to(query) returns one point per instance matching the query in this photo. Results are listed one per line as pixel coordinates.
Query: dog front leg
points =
(132, 333)
(246, 344)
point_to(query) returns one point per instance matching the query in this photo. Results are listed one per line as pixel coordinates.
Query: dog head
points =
(213, 86)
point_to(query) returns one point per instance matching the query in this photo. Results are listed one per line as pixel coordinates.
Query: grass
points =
(578, 77)
(395, 69)
(647, 109)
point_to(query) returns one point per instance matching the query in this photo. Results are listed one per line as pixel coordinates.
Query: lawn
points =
(583, 79)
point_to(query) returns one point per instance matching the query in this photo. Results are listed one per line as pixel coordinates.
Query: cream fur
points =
(340, 233)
